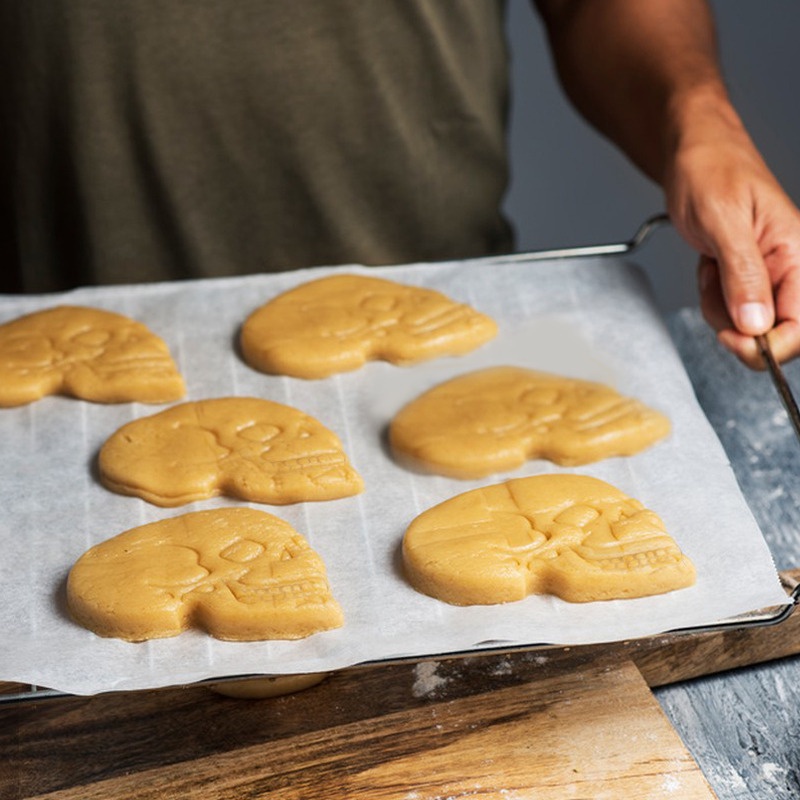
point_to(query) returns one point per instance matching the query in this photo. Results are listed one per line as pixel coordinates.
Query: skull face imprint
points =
(572, 536)
(243, 447)
(238, 573)
(86, 353)
(336, 324)
(493, 420)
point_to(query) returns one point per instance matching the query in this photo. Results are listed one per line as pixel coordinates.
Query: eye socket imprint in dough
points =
(86, 353)
(493, 420)
(237, 573)
(243, 447)
(572, 536)
(338, 323)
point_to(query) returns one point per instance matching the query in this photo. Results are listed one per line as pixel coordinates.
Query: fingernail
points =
(753, 317)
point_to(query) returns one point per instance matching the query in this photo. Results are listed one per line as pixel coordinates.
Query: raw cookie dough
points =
(338, 323)
(572, 536)
(86, 353)
(268, 686)
(237, 573)
(243, 447)
(493, 420)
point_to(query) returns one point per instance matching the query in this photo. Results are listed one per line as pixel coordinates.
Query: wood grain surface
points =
(467, 728)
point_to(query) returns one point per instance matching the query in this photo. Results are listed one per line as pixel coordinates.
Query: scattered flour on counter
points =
(780, 689)
(426, 681)
(503, 667)
(779, 418)
(773, 772)
(776, 493)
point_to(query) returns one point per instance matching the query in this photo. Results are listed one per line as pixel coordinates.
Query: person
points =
(148, 140)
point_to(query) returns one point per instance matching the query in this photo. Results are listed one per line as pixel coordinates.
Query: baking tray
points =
(575, 311)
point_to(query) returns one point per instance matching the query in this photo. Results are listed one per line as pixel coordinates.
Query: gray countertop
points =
(743, 727)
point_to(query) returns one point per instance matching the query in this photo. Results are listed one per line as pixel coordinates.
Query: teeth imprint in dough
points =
(338, 323)
(243, 447)
(493, 420)
(237, 573)
(572, 536)
(86, 353)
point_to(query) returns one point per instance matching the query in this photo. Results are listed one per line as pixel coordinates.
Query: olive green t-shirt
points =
(163, 139)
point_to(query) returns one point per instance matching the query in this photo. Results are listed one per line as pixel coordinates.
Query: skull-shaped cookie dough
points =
(87, 353)
(493, 420)
(243, 447)
(338, 323)
(572, 536)
(237, 573)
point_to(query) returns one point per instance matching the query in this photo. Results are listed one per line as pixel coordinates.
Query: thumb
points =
(746, 286)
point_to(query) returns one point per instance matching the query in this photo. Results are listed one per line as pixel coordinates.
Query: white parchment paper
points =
(588, 319)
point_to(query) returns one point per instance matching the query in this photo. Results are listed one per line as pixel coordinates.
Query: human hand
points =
(727, 204)
(647, 75)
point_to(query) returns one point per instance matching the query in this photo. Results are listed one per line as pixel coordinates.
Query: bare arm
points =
(646, 74)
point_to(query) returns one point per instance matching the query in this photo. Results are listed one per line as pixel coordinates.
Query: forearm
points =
(644, 72)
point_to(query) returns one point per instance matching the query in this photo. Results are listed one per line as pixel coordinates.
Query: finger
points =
(746, 285)
(744, 347)
(715, 312)
(784, 339)
(712, 303)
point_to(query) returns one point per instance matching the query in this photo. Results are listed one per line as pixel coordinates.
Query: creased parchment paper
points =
(588, 319)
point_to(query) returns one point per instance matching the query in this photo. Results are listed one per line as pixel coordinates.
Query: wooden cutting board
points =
(592, 733)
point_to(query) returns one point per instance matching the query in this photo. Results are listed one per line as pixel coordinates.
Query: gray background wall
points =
(570, 186)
